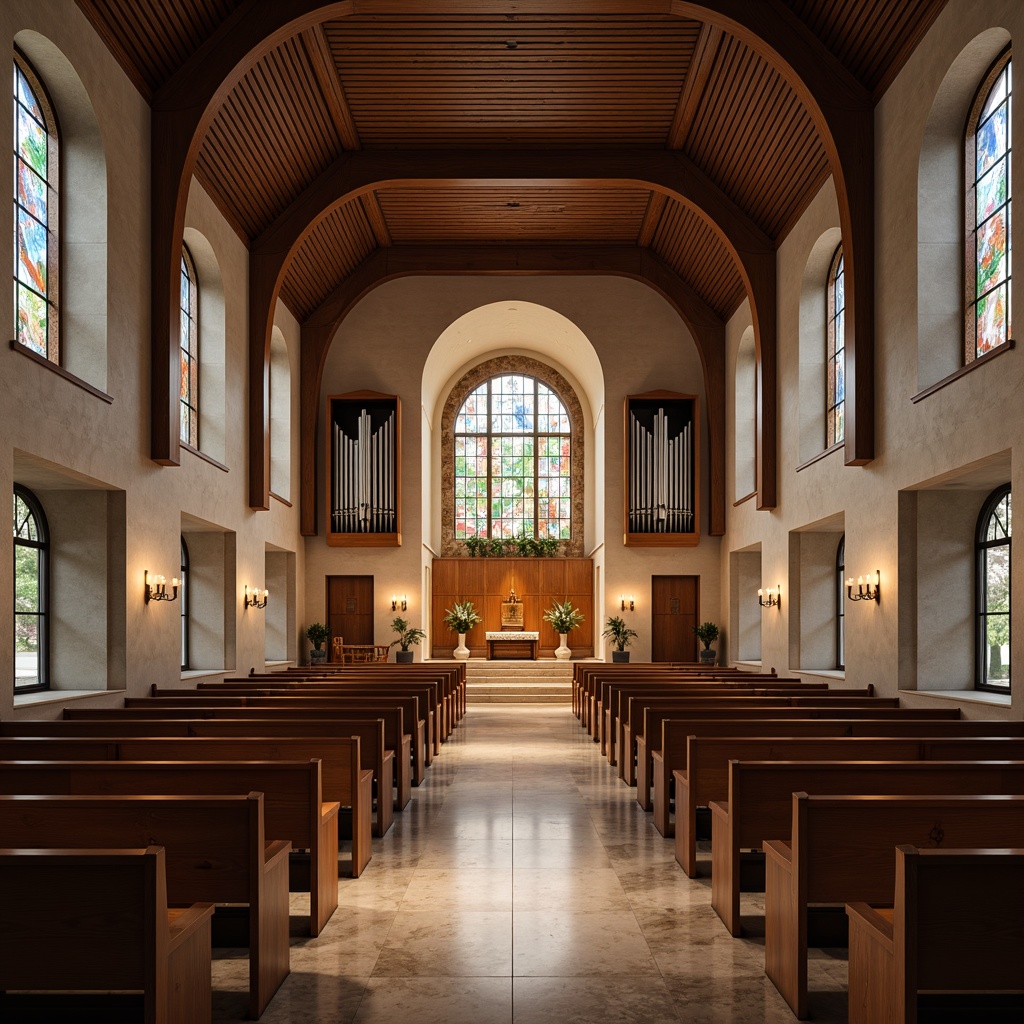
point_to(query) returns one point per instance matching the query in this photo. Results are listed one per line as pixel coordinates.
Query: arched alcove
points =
(526, 337)
(83, 213)
(212, 345)
(940, 211)
(813, 328)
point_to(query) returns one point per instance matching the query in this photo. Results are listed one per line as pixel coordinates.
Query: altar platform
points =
(512, 644)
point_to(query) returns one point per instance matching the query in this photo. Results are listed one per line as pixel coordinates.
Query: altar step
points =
(516, 681)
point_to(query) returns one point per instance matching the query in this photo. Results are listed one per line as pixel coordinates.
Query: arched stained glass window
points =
(189, 386)
(840, 603)
(835, 352)
(988, 153)
(993, 592)
(31, 637)
(36, 219)
(513, 452)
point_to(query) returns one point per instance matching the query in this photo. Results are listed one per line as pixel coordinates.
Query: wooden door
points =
(675, 605)
(350, 608)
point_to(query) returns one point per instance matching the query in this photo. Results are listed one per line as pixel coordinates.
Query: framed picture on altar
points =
(662, 472)
(363, 482)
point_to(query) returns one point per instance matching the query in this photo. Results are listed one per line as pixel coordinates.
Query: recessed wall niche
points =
(744, 611)
(212, 592)
(816, 609)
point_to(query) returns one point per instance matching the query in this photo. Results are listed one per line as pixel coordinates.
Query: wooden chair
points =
(97, 920)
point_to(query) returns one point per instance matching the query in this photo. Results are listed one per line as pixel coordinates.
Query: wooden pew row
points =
(216, 852)
(133, 941)
(343, 781)
(395, 738)
(937, 937)
(758, 803)
(387, 692)
(656, 768)
(842, 852)
(293, 804)
(370, 733)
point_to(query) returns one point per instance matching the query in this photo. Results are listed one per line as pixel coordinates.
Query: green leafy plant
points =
(406, 634)
(563, 616)
(461, 617)
(317, 634)
(707, 634)
(617, 632)
(475, 546)
(520, 546)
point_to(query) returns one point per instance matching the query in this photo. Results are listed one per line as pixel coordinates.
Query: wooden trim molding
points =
(206, 458)
(1007, 346)
(821, 455)
(284, 501)
(744, 499)
(24, 350)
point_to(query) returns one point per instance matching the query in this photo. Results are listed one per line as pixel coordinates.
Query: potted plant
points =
(407, 635)
(618, 633)
(461, 618)
(707, 634)
(564, 618)
(317, 634)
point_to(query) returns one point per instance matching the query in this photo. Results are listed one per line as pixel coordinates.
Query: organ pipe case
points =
(364, 448)
(662, 498)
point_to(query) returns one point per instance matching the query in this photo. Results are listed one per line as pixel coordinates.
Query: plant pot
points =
(620, 656)
(707, 657)
(461, 652)
(317, 656)
(562, 652)
(404, 657)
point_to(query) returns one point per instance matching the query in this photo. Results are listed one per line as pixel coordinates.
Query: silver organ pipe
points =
(363, 490)
(661, 485)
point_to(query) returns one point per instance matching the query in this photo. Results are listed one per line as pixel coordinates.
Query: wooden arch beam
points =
(843, 113)
(355, 174)
(387, 264)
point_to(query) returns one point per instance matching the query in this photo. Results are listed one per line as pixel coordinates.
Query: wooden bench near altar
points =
(512, 644)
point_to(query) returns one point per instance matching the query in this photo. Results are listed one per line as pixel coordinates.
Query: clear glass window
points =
(31, 635)
(993, 592)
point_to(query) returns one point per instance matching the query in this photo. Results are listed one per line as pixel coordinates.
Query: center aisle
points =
(524, 884)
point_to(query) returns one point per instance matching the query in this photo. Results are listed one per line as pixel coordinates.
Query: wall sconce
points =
(867, 587)
(256, 598)
(770, 598)
(395, 602)
(624, 602)
(157, 590)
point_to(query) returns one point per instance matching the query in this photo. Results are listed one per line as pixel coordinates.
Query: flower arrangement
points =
(461, 617)
(563, 617)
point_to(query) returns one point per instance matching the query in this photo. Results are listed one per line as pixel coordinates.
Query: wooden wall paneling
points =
(552, 577)
(579, 576)
(473, 576)
(444, 575)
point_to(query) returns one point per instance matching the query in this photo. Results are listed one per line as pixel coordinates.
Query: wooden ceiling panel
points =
(755, 139)
(527, 82)
(331, 251)
(273, 135)
(691, 248)
(152, 40)
(499, 215)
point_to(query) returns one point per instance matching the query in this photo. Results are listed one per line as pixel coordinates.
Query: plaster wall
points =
(952, 428)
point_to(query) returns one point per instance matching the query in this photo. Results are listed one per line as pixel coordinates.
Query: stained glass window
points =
(835, 401)
(30, 575)
(35, 215)
(993, 592)
(513, 449)
(189, 380)
(988, 213)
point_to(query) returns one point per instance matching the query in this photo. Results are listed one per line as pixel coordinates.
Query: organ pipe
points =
(661, 467)
(363, 486)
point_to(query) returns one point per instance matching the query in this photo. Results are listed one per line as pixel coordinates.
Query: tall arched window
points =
(840, 605)
(189, 387)
(513, 453)
(183, 595)
(31, 573)
(36, 214)
(988, 151)
(835, 352)
(992, 625)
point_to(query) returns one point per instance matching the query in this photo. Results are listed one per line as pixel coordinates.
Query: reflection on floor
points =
(525, 884)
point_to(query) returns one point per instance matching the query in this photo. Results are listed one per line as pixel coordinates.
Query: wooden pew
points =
(954, 928)
(395, 737)
(216, 852)
(343, 780)
(98, 920)
(324, 707)
(292, 803)
(842, 852)
(760, 798)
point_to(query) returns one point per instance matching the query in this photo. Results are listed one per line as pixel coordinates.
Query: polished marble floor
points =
(524, 884)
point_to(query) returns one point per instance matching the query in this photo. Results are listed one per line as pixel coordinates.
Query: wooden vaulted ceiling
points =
(388, 79)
